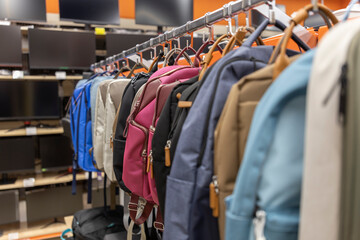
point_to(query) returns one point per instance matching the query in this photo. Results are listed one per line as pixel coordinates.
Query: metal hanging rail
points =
(227, 11)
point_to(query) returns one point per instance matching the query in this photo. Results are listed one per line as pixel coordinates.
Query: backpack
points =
(119, 139)
(163, 137)
(266, 199)
(350, 195)
(230, 136)
(95, 223)
(80, 119)
(93, 93)
(324, 163)
(188, 214)
(135, 174)
(99, 123)
(114, 96)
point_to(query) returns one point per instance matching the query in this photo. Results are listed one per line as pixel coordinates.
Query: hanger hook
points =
(316, 6)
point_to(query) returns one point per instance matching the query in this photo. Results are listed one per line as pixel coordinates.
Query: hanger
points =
(138, 64)
(279, 56)
(282, 20)
(187, 48)
(124, 68)
(348, 9)
(178, 51)
(209, 55)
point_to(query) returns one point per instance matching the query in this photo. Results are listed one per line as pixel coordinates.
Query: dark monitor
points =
(55, 152)
(29, 100)
(17, 154)
(10, 46)
(23, 10)
(118, 42)
(61, 49)
(90, 11)
(163, 12)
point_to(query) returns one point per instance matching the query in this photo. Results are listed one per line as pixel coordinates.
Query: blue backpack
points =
(266, 199)
(80, 118)
(188, 215)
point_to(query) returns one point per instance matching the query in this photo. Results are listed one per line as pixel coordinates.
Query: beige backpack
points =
(114, 94)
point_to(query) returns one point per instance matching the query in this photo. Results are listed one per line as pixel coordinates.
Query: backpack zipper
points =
(130, 119)
(150, 165)
(144, 151)
(167, 153)
(214, 196)
(259, 225)
(343, 84)
(343, 91)
(170, 136)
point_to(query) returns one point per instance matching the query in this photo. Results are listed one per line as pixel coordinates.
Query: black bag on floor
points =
(95, 223)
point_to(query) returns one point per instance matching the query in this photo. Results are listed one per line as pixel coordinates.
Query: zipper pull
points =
(343, 91)
(214, 197)
(151, 165)
(143, 154)
(259, 225)
(167, 153)
(148, 161)
(336, 83)
(111, 142)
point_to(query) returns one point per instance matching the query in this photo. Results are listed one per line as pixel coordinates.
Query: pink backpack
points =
(137, 171)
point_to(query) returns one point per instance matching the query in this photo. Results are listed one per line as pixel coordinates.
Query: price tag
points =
(16, 74)
(29, 182)
(30, 131)
(13, 236)
(60, 75)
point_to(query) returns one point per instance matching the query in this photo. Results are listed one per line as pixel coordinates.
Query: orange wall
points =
(127, 7)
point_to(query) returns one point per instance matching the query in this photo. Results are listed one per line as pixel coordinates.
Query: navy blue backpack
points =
(188, 215)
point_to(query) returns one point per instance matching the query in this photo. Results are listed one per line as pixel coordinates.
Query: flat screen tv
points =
(29, 100)
(10, 46)
(118, 42)
(50, 49)
(90, 11)
(55, 152)
(17, 154)
(23, 10)
(163, 12)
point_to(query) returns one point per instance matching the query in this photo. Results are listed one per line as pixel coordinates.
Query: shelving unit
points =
(41, 77)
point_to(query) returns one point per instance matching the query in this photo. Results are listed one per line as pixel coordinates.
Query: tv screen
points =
(116, 42)
(55, 152)
(23, 10)
(163, 12)
(90, 11)
(10, 46)
(29, 100)
(61, 49)
(17, 154)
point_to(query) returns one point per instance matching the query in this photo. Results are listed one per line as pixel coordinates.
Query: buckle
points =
(159, 226)
(132, 206)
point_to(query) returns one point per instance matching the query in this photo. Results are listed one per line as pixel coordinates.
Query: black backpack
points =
(95, 223)
(168, 131)
(119, 139)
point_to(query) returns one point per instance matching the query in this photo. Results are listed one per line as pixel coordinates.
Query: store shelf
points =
(22, 132)
(41, 77)
(43, 180)
(34, 231)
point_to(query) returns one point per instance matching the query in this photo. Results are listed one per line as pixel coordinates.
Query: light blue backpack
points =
(266, 199)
